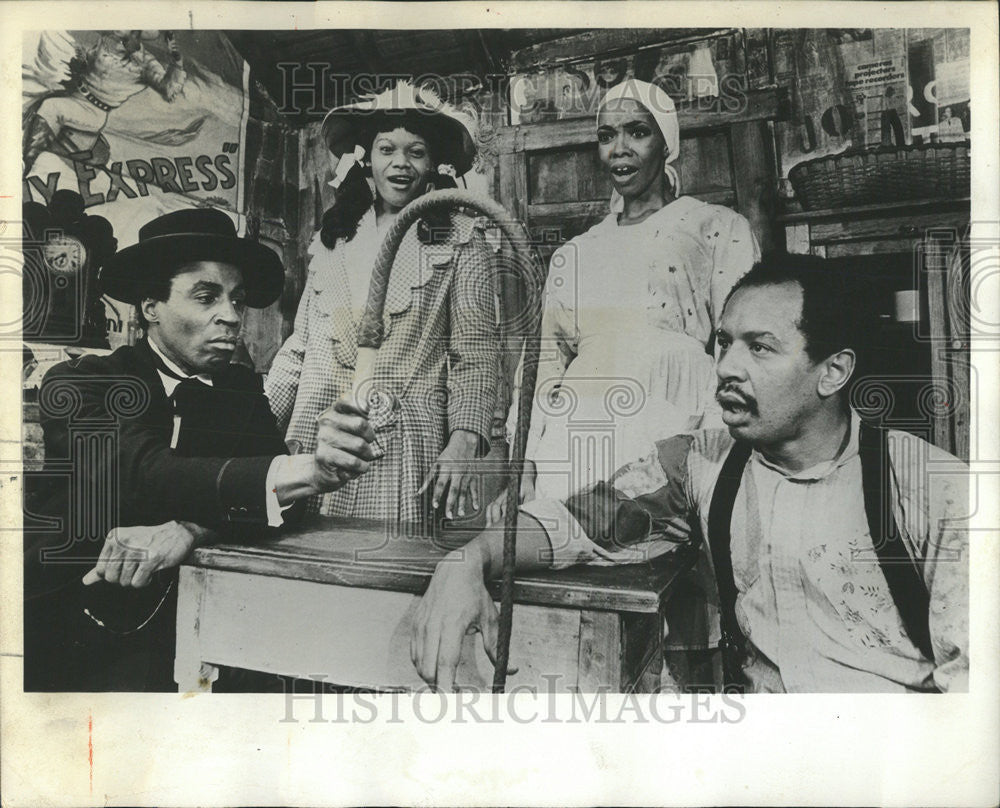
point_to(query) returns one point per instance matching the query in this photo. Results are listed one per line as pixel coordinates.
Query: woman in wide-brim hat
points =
(440, 354)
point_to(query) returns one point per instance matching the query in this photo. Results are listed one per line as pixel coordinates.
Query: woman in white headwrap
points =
(630, 307)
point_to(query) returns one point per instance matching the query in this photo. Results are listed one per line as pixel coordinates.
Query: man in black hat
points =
(163, 445)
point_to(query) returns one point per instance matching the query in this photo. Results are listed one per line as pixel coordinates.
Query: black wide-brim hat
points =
(186, 236)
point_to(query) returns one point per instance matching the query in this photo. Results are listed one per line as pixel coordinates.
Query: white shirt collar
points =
(169, 382)
(826, 467)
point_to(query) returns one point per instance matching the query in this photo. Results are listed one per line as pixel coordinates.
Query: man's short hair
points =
(836, 312)
(157, 288)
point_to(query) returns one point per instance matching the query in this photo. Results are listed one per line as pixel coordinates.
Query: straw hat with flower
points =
(353, 126)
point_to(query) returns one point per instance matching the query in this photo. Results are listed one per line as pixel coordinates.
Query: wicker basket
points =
(883, 174)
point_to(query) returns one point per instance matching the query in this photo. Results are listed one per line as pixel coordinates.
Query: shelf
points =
(884, 209)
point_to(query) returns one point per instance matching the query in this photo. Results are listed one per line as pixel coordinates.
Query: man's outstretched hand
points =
(344, 450)
(344, 447)
(456, 603)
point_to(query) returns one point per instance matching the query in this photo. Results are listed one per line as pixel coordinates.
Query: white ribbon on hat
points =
(345, 164)
(661, 106)
(405, 96)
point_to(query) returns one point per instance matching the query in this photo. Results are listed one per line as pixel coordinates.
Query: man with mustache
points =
(839, 550)
(168, 443)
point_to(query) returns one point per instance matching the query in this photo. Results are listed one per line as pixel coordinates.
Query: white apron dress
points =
(628, 316)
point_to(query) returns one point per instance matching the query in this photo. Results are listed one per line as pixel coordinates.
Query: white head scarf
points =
(661, 107)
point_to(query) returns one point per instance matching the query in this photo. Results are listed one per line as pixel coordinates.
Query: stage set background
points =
(247, 144)
(164, 154)
(254, 100)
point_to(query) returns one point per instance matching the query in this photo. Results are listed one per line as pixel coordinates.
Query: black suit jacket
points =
(108, 425)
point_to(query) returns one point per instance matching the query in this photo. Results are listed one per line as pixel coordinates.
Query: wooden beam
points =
(759, 105)
(514, 183)
(906, 228)
(189, 673)
(881, 209)
(959, 330)
(604, 42)
(354, 553)
(753, 178)
(641, 652)
(936, 255)
(579, 210)
(564, 210)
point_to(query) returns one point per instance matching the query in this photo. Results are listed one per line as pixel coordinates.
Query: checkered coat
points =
(440, 357)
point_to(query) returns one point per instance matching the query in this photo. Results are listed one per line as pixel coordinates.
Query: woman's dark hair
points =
(354, 196)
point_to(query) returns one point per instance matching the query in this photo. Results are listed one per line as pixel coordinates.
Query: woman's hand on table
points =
(498, 507)
(453, 474)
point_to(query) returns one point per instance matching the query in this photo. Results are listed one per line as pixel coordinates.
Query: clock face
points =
(64, 255)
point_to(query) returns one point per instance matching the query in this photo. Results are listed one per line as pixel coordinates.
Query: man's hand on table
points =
(456, 603)
(131, 555)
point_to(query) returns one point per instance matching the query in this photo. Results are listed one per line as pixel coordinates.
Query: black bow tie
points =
(187, 381)
(189, 392)
(203, 411)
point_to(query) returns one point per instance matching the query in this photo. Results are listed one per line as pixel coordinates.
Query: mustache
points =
(730, 391)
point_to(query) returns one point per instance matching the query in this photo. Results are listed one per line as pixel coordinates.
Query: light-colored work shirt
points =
(811, 597)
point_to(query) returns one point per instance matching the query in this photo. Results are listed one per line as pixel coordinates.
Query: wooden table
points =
(333, 599)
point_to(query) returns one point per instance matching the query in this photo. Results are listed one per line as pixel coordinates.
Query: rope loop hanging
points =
(372, 331)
